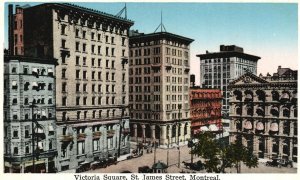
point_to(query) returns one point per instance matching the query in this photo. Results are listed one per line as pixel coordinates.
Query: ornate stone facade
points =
(263, 113)
(91, 78)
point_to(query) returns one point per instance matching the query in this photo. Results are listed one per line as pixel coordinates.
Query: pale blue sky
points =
(268, 30)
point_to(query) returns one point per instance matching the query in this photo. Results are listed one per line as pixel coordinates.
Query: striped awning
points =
(213, 127)
(285, 96)
(248, 125)
(34, 70)
(51, 127)
(260, 126)
(34, 84)
(40, 145)
(274, 127)
(204, 128)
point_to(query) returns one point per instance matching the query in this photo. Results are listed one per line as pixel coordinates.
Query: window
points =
(77, 101)
(112, 76)
(85, 114)
(15, 134)
(92, 35)
(84, 100)
(112, 64)
(107, 100)
(95, 145)
(113, 100)
(112, 51)
(93, 100)
(77, 46)
(80, 148)
(84, 74)
(93, 74)
(99, 49)
(77, 87)
(93, 61)
(16, 150)
(83, 34)
(64, 101)
(112, 40)
(99, 100)
(106, 39)
(84, 87)
(99, 62)
(77, 32)
(93, 49)
(78, 115)
(77, 74)
(27, 131)
(84, 47)
(106, 52)
(64, 87)
(63, 43)
(123, 41)
(99, 37)
(77, 60)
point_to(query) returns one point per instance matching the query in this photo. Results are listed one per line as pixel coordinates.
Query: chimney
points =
(10, 30)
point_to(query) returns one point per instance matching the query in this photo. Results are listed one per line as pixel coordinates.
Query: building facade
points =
(92, 78)
(219, 68)
(159, 67)
(29, 131)
(205, 108)
(263, 113)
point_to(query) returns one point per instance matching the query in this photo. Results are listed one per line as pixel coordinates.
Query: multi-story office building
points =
(92, 78)
(159, 66)
(205, 107)
(219, 68)
(29, 114)
(263, 113)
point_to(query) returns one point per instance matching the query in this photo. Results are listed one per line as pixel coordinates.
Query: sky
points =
(267, 30)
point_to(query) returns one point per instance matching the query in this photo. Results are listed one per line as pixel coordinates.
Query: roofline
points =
(227, 54)
(8, 58)
(161, 35)
(87, 10)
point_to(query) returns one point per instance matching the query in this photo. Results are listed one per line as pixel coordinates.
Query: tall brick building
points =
(91, 78)
(159, 68)
(205, 108)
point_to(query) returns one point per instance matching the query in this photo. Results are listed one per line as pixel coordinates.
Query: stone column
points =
(280, 126)
(153, 132)
(163, 136)
(270, 147)
(144, 133)
(135, 132)
(254, 125)
(291, 149)
(267, 127)
(46, 162)
(170, 135)
(280, 146)
(255, 145)
(183, 137)
(292, 124)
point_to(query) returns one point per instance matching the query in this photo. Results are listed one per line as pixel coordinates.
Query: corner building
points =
(92, 78)
(159, 67)
(206, 106)
(264, 115)
(28, 81)
(217, 69)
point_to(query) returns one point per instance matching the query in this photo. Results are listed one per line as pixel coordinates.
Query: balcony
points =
(110, 133)
(66, 138)
(81, 136)
(97, 134)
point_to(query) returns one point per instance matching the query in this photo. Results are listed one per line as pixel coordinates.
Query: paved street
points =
(161, 155)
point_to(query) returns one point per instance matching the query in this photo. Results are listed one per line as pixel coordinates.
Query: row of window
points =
(85, 100)
(28, 149)
(83, 115)
(34, 70)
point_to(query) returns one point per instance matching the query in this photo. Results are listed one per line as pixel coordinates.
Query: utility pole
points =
(32, 137)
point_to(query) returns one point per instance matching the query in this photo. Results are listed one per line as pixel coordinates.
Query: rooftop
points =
(135, 37)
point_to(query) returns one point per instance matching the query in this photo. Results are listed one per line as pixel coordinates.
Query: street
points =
(147, 159)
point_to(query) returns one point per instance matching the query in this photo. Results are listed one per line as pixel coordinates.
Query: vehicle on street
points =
(276, 162)
(144, 169)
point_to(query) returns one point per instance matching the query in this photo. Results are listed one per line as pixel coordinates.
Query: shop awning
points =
(14, 83)
(34, 70)
(285, 96)
(213, 127)
(39, 130)
(40, 145)
(34, 84)
(51, 128)
(248, 125)
(204, 128)
(260, 126)
(274, 127)
(29, 163)
(50, 70)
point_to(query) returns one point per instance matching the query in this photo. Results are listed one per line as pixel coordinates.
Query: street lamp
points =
(179, 107)
(120, 132)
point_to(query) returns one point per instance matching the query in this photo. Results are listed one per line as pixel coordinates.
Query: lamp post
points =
(120, 132)
(33, 136)
(179, 107)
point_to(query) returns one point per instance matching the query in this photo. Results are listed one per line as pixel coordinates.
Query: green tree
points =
(218, 157)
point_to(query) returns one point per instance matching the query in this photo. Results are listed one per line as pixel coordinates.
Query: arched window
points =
(275, 96)
(16, 150)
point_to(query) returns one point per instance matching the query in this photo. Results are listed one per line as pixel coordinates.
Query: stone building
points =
(159, 66)
(219, 68)
(29, 81)
(263, 113)
(205, 110)
(92, 78)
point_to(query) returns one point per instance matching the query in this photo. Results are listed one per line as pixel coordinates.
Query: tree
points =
(218, 157)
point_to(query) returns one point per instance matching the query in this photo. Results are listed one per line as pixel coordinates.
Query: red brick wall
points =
(18, 32)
